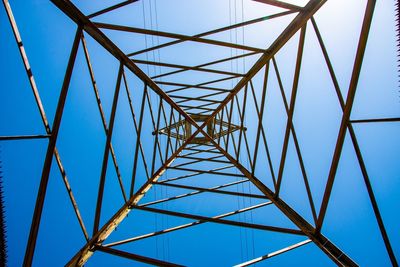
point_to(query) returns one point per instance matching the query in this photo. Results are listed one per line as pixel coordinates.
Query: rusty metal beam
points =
(137, 145)
(88, 249)
(107, 153)
(37, 214)
(103, 117)
(281, 4)
(273, 254)
(198, 191)
(298, 22)
(360, 159)
(24, 137)
(76, 15)
(128, 94)
(176, 36)
(330, 249)
(206, 64)
(187, 225)
(136, 257)
(111, 8)
(184, 67)
(42, 113)
(211, 190)
(347, 110)
(296, 143)
(226, 28)
(375, 120)
(221, 221)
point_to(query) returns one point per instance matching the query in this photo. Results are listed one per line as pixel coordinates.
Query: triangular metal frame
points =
(100, 234)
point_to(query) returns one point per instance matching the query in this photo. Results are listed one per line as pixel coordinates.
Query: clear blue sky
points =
(48, 34)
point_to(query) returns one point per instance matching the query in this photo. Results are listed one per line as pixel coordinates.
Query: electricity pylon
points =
(202, 129)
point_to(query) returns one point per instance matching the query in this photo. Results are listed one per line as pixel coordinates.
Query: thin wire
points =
(237, 186)
(164, 190)
(145, 36)
(247, 160)
(148, 73)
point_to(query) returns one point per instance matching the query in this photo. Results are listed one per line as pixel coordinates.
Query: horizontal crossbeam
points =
(221, 221)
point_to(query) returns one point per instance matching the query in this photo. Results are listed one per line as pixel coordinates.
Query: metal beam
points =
(226, 28)
(42, 113)
(76, 15)
(290, 110)
(107, 153)
(360, 159)
(211, 190)
(176, 36)
(347, 110)
(136, 257)
(281, 4)
(330, 249)
(190, 193)
(298, 22)
(184, 67)
(221, 221)
(24, 137)
(273, 254)
(375, 120)
(111, 8)
(37, 214)
(187, 225)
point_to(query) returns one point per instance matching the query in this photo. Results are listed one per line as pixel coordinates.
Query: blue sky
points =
(48, 34)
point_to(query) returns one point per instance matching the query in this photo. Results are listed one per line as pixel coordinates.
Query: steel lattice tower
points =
(193, 127)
